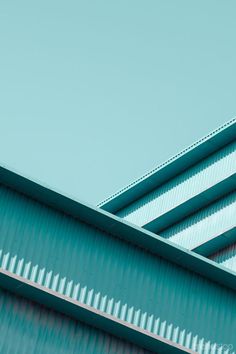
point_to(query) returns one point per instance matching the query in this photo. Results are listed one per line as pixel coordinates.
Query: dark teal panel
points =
(88, 314)
(226, 257)
(76, 259)
(28, 328)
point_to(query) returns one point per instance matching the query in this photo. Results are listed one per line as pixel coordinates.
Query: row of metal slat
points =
(79, 260)
(211, 220)
(92, 264)
(30, 328)
(192, 182)
(226, 257)
(205, 224)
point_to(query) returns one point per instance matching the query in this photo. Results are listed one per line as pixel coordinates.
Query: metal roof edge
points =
(190, 206)
(119, 228)
(173, 166)
(89, 315)
(217, 242)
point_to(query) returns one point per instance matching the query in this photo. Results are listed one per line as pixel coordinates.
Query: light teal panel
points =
(193, 181)
(204, 225)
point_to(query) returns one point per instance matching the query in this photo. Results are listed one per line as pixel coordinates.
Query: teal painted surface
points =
(118, 228)
(87, 314)
(193, 181)
(175, 165)
(226, 257)
(204, 225)
(30, 328)
(111, 89)
(73, 258)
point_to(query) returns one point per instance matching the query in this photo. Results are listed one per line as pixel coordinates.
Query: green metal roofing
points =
(29, 327)
(88, 314)
(217, 242)
(172, 167)
(119, 228)
(186, 282)
(196, 202)
(207, 230)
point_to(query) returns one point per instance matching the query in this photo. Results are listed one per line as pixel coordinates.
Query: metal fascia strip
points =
(120, 228)
(89, 315)
(216, 243)
(192, 205)
(169, 169)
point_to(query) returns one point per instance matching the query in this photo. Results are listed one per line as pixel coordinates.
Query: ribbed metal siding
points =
(212, 170)
(197, 151)
(205, 224)
(226, 257)
(28, 328)
(118, 278)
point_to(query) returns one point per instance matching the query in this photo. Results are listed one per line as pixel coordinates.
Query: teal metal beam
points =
(192, 205)
(216, 243)
(148, 289)
(172, 167)
(89, 315)
(119, 228)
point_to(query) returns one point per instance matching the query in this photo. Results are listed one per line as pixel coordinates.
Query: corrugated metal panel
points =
(193, 181)
(90, 316)
(75, 259)
(205, 224)
(175, 165)
(29, 328)
(226, 257)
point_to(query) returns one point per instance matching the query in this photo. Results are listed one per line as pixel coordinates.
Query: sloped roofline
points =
(188, 157)
(113, 226)
(119, 228)
(89, 315)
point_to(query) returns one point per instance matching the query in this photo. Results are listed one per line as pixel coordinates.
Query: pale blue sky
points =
(93, 94)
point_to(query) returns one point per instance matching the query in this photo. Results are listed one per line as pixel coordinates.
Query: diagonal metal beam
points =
(89, 315)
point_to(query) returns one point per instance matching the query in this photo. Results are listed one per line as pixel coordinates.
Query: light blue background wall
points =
(95, 93)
